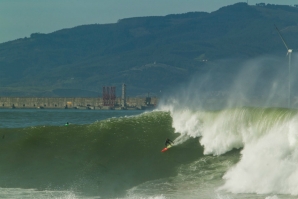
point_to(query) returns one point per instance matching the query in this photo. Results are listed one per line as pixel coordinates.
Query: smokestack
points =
(123, 99)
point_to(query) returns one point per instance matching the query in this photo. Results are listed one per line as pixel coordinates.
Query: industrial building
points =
(107, 101)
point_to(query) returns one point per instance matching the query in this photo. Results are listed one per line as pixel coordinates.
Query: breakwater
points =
(74, 102)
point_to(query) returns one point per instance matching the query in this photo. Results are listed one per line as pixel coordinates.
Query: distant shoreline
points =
(75, 103)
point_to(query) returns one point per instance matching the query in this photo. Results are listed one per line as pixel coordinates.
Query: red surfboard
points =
(165, 149)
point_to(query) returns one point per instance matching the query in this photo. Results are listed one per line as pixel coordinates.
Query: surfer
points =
(168, 142)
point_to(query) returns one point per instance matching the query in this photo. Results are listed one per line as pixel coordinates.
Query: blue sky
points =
(20, 18)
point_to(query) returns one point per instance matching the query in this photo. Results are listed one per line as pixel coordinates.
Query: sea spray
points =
(268, 164)
(267, 138)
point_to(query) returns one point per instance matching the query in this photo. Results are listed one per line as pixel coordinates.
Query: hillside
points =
(149, 54)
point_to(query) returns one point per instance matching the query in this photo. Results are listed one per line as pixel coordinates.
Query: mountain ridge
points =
(149, 54)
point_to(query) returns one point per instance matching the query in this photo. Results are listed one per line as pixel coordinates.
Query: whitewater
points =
(267, 143)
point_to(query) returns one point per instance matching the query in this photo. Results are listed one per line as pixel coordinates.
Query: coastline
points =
(136, 103)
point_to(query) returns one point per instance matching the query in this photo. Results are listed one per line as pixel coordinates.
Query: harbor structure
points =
(107, 101)
(70, 103)
(123, 98)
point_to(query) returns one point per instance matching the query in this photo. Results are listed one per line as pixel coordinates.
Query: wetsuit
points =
(168, 142)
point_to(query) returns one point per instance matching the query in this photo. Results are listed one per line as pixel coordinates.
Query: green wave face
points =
(104, 158)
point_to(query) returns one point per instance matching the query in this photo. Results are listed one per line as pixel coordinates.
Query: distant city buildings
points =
(260, 4)
(264, 4)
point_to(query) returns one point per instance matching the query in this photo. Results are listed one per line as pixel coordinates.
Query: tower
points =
(109, 96)
(105, 95)
(123, 98)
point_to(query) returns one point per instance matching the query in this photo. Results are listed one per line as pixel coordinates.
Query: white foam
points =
(272, 197)
(268, 164)
(268, 139)
(18, 193)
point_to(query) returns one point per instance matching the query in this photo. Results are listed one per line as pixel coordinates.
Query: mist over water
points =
(261, 82)
(246, 110)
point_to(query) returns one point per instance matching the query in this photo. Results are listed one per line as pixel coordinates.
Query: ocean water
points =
(229, 153)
